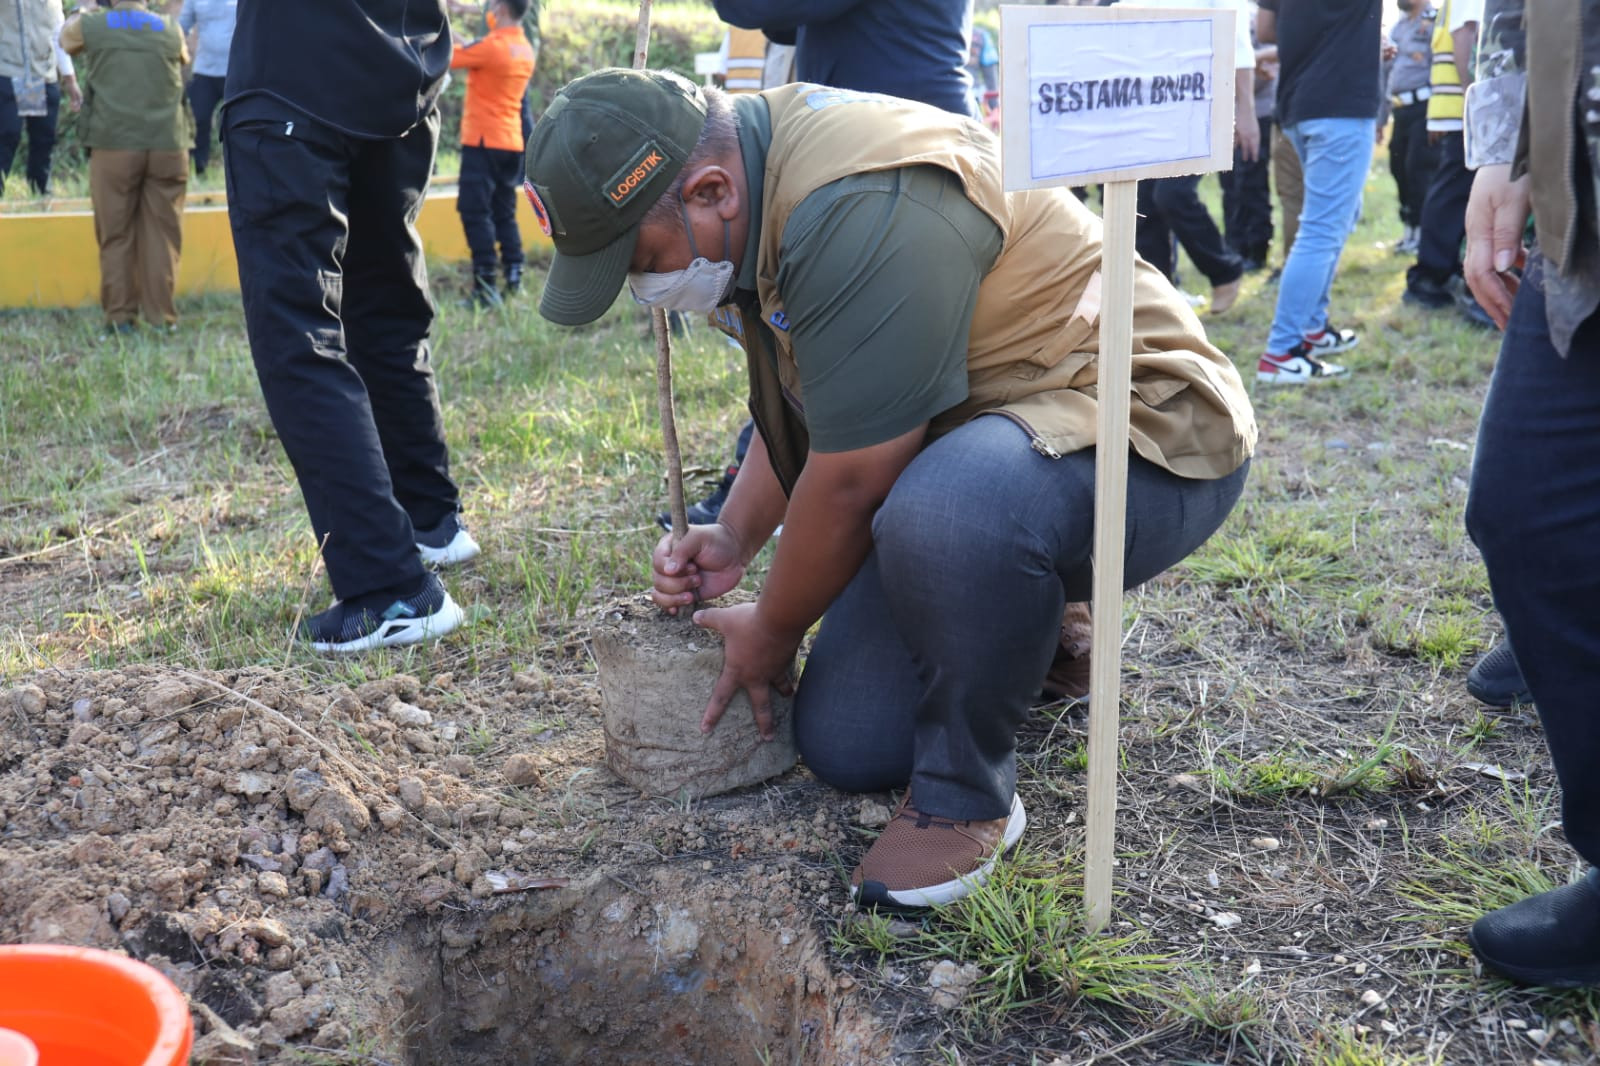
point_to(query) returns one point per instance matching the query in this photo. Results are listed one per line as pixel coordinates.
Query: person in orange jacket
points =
(499, 66)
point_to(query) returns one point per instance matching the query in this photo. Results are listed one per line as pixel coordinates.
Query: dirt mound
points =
(275, 847)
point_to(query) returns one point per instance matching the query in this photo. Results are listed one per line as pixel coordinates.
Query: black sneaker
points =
(1551, 940)
(706, 511)
(1496, 679)
(447, 543)
(380, 620)
(485, 297)
(513, 278)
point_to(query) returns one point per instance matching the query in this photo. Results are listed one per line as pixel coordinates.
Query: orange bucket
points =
(84, 1007)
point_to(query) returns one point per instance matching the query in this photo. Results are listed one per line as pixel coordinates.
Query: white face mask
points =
(701, 286)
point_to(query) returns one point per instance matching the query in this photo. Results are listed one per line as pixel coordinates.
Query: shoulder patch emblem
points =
(780, 320)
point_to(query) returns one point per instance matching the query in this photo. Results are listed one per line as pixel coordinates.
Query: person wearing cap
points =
(921, 347)
(330, 124)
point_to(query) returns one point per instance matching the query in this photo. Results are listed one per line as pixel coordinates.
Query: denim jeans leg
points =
(1335, 155)
(927, 664)
(1534, 512)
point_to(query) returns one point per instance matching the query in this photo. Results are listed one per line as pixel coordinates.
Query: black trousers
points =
(1411, 160)
(337, 310)
(41, 135)
(1534, 512)
(1247, 200)
(487, 203)
(1444, 216)
(1170, 208)
(205, 93)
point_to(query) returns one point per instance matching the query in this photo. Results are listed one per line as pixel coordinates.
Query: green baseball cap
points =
(607, 148)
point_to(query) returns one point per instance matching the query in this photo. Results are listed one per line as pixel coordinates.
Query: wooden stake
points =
(658, 327)
(1110, 521)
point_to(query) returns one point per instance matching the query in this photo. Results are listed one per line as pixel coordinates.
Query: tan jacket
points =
(36, 53)
(1032, 349)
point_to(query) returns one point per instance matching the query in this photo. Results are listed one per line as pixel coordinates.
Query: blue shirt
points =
(215, 19)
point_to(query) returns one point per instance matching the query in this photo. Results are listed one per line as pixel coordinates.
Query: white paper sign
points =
(1104, 94)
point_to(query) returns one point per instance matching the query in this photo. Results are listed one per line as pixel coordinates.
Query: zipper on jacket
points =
(1036, 442)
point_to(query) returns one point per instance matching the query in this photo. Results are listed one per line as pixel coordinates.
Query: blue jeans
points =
(1534, 513)
(929, 660)
(1336, 154)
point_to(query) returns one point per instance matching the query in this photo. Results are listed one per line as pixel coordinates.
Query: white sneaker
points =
(1299, 367)
(1332, 339)
(446, 544)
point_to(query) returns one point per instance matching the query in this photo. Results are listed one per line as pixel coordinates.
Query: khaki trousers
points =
(138, 222)
(1289, 179)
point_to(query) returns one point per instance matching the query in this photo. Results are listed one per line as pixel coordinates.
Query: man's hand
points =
(74, 94)
(755, 658)
(1248, 137)
(706, 563)
(1246, 130)
(1497, 213)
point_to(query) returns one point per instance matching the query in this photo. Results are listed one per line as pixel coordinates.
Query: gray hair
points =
(718, 137)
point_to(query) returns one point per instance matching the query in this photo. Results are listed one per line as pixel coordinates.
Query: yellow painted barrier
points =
(50, 259)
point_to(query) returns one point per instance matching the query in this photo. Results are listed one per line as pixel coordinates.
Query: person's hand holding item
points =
(1497, 213)
(708, 562)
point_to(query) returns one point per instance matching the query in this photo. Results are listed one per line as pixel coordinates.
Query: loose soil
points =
(338, 868)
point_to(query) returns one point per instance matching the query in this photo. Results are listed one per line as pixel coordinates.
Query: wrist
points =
(777, 621)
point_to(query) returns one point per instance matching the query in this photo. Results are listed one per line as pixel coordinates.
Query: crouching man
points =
(921, 347)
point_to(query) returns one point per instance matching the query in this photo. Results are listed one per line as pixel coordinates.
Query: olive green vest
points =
(1032, 349)
(133, 81)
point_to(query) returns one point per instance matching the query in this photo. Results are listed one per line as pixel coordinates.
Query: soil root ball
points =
(656, 675)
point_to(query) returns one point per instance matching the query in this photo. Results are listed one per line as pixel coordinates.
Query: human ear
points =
(712, 186)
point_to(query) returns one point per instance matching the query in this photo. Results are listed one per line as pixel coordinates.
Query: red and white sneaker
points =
(1331, 339)
(1297, 367)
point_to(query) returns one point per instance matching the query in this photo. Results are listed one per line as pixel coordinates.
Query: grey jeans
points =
(929, 660)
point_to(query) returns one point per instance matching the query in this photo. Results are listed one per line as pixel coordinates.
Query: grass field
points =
(1312, 807)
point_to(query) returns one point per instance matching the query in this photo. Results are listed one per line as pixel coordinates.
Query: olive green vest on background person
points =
(1032, 348)
(133, 81)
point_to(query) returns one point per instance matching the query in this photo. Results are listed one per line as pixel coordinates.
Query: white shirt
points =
(1244, 53)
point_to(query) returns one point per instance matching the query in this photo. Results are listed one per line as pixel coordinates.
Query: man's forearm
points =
(756, 503)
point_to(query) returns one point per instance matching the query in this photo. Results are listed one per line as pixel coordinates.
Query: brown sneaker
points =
(1068, 678)
(921, 860)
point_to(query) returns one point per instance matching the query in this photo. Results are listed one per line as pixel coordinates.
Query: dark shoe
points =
(922, 860)
(513, 278)
(1068, 678)
(119, 329)
(382, 620)
(1552, 939)
(1497, 679)
(706, 511)
(447, 543)
(1427, 294)
(485, 296)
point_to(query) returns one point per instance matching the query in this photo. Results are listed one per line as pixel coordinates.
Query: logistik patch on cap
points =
(625, 183)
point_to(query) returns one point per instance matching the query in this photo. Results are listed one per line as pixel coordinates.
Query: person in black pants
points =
(41, 135)
(1247, 202)
(205, 93)
(329, 131)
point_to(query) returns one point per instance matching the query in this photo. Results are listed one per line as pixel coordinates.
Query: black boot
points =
(513, 278)
(485, 295)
